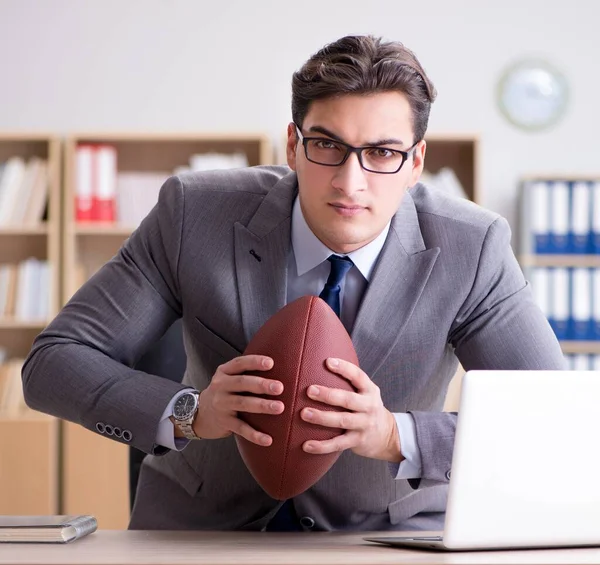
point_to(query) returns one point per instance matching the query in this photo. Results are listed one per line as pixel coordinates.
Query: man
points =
(432, 279)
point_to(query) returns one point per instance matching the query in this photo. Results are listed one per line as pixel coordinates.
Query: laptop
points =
(526, 464)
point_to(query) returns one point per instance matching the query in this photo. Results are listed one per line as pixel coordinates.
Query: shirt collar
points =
(309, 251)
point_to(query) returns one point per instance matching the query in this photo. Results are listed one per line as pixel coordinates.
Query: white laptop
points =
(526, 464)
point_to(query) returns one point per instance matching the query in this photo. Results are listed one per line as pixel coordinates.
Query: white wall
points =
(180, 65)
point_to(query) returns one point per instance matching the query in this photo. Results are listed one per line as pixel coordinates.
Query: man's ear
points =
(418, 162)
(291, 145)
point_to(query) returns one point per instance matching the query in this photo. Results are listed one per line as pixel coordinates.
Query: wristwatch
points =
(184, 412)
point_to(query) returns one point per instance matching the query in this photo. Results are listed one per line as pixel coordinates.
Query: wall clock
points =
(532, 95)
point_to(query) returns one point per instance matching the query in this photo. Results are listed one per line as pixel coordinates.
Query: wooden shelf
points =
(585, 347)
(548, 260)
(30, 482)
(102, 229)
(15, 324)
(30, 475)
(27, 416)
(11, 231)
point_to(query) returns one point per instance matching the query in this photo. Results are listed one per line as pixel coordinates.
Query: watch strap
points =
(186, 426)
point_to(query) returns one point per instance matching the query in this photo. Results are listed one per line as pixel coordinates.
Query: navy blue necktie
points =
(331, 291)
(286, 519)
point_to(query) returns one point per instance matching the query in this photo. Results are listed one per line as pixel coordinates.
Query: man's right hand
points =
(219, 404)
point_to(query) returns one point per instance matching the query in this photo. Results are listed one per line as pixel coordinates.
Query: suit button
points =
(307, 522)
(108, 430)
(117, 432)
(448, 474)
(127, 435)
(100, 427)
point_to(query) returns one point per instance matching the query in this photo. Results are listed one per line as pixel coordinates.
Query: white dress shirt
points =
(308, 270)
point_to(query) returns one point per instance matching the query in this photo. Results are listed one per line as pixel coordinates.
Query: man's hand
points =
(220, 403)
(371, 429)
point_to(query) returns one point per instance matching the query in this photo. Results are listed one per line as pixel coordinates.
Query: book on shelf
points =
(445, 180)
(23, 191)
(25, 290)
(45, 529)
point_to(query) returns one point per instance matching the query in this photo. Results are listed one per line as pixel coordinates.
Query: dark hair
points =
(363, 65)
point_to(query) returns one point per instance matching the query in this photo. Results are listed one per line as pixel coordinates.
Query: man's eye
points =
(324, 144)
(381, 153)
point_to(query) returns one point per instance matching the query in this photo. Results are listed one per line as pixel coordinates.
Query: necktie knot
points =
(331, 291)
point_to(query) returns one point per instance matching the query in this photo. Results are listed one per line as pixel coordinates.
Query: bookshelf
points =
(88, 458)
(554, 219)
(461, 153)
(29, 440)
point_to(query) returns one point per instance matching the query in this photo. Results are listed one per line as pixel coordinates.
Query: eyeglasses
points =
(330, 153)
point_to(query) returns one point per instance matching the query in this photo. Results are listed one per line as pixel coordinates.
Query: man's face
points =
(345, 206)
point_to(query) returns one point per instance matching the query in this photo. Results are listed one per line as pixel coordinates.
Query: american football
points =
(299, 338)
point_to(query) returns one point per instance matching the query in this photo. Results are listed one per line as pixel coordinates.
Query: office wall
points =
(195, 65)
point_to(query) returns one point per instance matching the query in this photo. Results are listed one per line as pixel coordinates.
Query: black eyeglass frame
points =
(351, 149)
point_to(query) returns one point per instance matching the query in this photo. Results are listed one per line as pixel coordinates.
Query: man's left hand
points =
(371, 429)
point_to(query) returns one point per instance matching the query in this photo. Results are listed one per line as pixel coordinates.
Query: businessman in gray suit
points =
(419, 279)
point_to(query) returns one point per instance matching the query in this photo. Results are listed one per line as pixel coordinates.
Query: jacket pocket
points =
(214, 342)
(178, 469)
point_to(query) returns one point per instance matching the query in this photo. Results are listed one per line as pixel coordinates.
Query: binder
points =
(105, 186)
(581, 362)
(559, 218)
(596, 304)
(581, 218)
(581, 300)
(538, 207)
(540, 287)
(569, 361)
(84, 187)
(560, 310)
(596, 217)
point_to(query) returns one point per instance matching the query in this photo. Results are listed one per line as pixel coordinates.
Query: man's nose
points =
(350, 177)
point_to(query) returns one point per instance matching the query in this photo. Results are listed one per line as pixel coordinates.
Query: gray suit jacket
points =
(445, 286)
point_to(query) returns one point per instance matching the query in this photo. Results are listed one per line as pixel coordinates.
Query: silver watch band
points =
(187, 430)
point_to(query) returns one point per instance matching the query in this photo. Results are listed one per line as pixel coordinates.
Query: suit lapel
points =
(261, 256)
(399, 277)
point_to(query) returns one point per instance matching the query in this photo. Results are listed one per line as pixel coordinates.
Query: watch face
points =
(185, 406)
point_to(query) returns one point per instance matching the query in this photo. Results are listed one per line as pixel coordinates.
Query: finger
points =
(251, 383)
(330, 419)
(338, 397)
(350, 372)
(245, 363)
(253, 405)
(241, 428)
(334, 445)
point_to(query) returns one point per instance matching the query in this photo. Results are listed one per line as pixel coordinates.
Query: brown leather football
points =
(299, 338)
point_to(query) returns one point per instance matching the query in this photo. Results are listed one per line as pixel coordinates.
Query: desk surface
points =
(106, 547)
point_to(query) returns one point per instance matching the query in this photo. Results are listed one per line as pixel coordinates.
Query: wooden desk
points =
(112, 547)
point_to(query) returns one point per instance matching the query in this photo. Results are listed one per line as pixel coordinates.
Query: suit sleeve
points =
(499, 326)
(80, 366)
